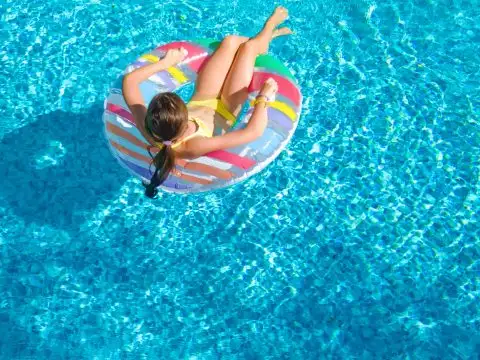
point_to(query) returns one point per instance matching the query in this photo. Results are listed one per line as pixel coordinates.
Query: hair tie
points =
(167, 142)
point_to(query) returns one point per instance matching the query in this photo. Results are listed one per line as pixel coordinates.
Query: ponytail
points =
(164, 162)
(165, 121)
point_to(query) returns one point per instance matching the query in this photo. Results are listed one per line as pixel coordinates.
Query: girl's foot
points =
(281, 32)
(279, 16)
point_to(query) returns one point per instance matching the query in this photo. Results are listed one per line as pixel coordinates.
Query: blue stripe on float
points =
(268, 143)
(139, 170)
(174, 183)
(168, 80)
(264, 146)
(146, 174)
(275, 126)
(280, 118)
(148, 90)
(118, 83)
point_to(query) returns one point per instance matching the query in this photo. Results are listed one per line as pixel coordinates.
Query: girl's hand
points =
(269, 89)
(174, 56)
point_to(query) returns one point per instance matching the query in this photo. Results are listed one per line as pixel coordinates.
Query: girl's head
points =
(166, 120)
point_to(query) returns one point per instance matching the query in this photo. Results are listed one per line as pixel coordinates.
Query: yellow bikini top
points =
(202, 130)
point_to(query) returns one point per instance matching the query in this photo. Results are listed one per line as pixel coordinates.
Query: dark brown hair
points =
(166, 119)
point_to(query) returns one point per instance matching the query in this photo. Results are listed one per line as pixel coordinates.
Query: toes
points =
(282, 9)
(280, 12)
(282, 31)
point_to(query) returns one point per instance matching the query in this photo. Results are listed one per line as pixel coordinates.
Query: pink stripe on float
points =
(196, 65)
(231, 158)
(193, 50)
(121, 112)
(285, 87)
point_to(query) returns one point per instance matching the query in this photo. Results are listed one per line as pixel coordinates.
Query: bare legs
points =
(235, 88)
(212, 76)
(230, 69)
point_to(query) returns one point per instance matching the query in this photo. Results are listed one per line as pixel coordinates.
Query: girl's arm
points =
(256, 126)
(131, 86)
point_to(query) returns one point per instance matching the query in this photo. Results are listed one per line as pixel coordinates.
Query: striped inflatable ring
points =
(217, 169)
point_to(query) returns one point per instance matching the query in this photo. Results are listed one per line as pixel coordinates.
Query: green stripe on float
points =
(212, 44)
(273, 64)
(266, 61)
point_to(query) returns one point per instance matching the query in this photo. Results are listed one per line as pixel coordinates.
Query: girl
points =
(186, 130)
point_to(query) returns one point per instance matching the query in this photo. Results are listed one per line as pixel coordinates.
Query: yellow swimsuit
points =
(219, 107)
(203, 130)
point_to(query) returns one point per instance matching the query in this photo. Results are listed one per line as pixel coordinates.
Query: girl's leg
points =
(212, 76)
(235, 89)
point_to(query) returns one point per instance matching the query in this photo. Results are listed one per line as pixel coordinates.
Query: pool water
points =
(361, 241)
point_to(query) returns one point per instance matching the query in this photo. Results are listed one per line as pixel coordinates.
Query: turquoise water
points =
(361, 241)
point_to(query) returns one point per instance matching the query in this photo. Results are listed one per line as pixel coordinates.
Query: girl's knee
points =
(233, 41)
(249, 46)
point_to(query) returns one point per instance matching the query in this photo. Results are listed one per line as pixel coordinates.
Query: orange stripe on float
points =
(203, 168)
(206, 169)
(143, 158)
(130, 153)
(114, 129)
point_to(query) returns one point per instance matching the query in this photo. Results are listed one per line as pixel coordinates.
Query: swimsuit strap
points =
(202, 127)
(202, 131)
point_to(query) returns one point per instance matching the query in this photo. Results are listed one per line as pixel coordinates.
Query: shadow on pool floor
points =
(58, 167)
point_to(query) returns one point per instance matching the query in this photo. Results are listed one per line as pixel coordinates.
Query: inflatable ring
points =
(217, 169)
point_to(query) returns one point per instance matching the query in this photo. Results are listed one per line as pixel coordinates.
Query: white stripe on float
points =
(193, 58)
(117, 120)
(196, 174)
(118, 99)
(121, 123)
(213, 162)
(157, 80)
